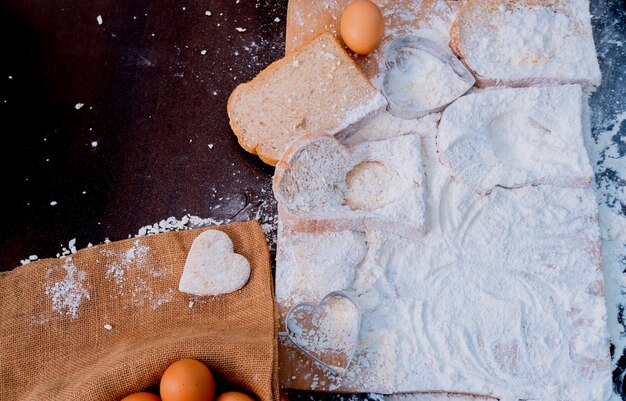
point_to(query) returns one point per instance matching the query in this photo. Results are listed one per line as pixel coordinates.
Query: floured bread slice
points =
(516, 137)
(322, 185)
(527, 42)
(317, 88)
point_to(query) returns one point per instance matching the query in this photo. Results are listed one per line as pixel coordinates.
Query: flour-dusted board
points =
(431, 18)
(305, 20)
(504, 288)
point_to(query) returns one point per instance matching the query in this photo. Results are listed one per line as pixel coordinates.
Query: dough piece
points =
(212, 267)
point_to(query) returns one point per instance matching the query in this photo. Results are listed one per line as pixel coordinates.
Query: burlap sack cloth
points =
(54, 344)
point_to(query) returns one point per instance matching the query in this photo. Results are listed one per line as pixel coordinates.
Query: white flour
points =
(187, 222)
(613, 228)
(137, 290)
(432, 22)
(385, 126)
(420, 81)
(503, 289)
(328, 331)
(392, 170)
(345, 249)
(67, 293)
(610, 166)
(322, 183)
(117, 269)
(517, 42)
(512, 137)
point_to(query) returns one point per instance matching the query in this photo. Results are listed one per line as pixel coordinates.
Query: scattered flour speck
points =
(72, 245)
(67, 294)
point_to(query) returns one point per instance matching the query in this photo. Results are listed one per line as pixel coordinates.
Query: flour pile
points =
(67, 289)
(420, 81)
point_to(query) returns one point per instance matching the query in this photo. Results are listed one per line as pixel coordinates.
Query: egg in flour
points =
(362, 26)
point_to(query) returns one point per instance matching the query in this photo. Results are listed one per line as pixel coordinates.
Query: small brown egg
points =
(234, 396)
(187, 380)
(362, 26)
(143, 396)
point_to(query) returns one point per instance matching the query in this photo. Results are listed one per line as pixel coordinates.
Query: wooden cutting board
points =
(306, 19)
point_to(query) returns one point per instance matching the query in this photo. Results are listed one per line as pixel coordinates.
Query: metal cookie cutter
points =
(395, 56)
(308, 328)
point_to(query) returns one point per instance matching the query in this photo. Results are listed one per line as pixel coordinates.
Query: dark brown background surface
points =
(154, 103)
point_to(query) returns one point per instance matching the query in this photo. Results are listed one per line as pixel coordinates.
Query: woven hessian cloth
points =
(51, 350)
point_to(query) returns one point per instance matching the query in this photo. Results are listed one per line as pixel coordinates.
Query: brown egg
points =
(187, 380)
(143, 396)
(362, 26)
(234, 396)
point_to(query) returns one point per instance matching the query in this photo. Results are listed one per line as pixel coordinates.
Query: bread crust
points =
(254, 149)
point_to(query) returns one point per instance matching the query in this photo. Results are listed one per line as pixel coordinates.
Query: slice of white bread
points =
(527, 42)
(516, 137)
(322, 185)
(316, 88)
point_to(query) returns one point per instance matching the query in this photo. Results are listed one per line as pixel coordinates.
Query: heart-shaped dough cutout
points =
(212, 266)
(328, 332)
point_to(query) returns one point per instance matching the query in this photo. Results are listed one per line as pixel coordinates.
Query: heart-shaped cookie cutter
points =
(442, 54)
(329, 363)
